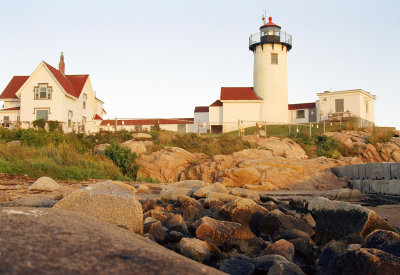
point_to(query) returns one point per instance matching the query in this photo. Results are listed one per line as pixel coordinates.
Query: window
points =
(138, 128)
(84, 100)
(42, 91)
(70, 118)
(300, 114)
(42, 114)
(339, 105)
(274, 58)
(6, 121)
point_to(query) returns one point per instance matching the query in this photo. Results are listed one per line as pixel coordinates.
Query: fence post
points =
(324, 126)
(238, 127)
(310, 130)
(265, 130)
(289, 130)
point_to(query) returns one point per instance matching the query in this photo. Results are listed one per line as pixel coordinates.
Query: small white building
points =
(302, 113)
(180, 125)
(50, 94)
(201, 120)
(342, 105)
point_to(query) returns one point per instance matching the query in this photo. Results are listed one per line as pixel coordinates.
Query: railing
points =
(284, 38)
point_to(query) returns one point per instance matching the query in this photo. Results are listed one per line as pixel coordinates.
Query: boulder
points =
(158, 215)
(141, 136)
(294, 233)
(138, 147)
(384, 240)
(143, 189)
(246, 242)
(244, 193)
(280, 247)
(225, 198)
(264, 186)
(240, 176)
(156, 230)
(215, 187)
(171, 194)
(101, 148)
(336, 219)
(366, 261)
(30, 241)
(241, 211)
(197, 250)
(237, 266)
(45, 184)
(276, 264)
(176, 223)
(167, 164)
(276, 222)
(112, 202)
(215, 232)
(284, 147)
(14, 143)
(344, 194)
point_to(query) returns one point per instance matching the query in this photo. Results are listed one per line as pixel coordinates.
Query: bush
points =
(39, 123)
(380, 135)
(54, 126)
(124, 159)
(328, 147)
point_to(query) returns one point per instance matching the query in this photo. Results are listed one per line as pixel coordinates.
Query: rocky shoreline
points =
(230, 229)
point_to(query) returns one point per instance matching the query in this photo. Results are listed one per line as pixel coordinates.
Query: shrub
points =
(380, 135)
(124, 159)
(54, 126)
(39, 123)
(328, 147)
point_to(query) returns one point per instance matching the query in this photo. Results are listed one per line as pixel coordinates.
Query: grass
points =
(61, 162)
(380, 135)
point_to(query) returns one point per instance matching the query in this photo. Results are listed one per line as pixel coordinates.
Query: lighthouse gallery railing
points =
(284, 38)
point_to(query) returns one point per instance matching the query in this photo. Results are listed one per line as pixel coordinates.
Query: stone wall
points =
(372, 178)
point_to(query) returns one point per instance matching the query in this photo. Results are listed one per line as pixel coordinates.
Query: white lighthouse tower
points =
(270, 47)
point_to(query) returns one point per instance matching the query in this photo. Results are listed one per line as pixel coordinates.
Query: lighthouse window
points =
(300, 114)
(274, 58)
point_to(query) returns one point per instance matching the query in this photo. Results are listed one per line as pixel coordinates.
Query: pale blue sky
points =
(162, 58)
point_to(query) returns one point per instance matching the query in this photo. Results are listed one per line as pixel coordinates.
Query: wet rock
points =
(269, 205)
(276, 222)
(244, 193)
(158, 215)
(197, 250)
(237, 266)
(241, 211)
(216, 187)
(384, 240)
(335, 220)
(282, 248)
(366, 261)
(215, 232)
(175, 236)
(275, 264)
(112, 202)
(176, 223)
(45, 184)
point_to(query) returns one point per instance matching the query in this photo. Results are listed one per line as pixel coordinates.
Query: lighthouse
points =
(270, 47)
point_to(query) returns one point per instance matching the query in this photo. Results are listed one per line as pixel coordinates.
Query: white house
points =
(201, 120)
(50, 94)
(341, 105)
(181, 125)
(302, 113)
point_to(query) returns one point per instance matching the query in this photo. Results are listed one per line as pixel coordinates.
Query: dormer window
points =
(42, 91)
(84, 100)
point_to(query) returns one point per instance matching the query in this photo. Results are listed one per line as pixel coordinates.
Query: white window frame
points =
(36, 113)
(37, 93)
(300, 117)
(70, 118)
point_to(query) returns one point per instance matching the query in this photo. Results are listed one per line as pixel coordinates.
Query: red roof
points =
(97, 117)
(72, 84)
(11, 109)
(151, 121)
(217, 103)
(299, 106)
(238, 93)
(201, 109)
(12, 87)
(270, 24)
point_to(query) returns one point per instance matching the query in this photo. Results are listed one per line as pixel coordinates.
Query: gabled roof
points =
(238, 93)
(201, 109)
(151, 121)
(97, 117)
(72, 84)
(217, 103)
(12, 87)
(300, 106)
(11, 109)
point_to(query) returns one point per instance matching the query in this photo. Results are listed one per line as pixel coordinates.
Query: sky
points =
(162, 58)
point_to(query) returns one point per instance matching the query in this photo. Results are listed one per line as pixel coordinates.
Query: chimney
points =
(61, 65)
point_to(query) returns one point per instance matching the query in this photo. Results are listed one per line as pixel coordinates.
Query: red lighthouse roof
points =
(270, 24)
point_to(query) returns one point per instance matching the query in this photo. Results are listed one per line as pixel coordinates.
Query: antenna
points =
(264, 16)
